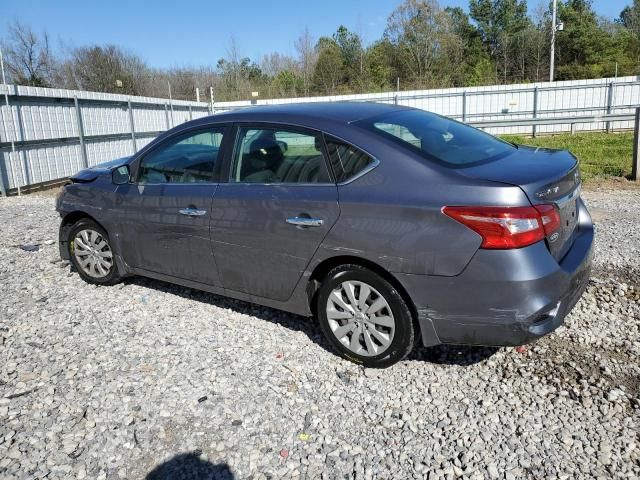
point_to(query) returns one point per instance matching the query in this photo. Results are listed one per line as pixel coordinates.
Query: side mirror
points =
(121, 175)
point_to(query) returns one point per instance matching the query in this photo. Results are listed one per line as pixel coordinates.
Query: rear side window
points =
(187, 158)
(438, 138)
(346, 160)
(269, 155)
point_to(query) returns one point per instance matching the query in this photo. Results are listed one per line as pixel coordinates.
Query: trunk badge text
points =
(547, 192)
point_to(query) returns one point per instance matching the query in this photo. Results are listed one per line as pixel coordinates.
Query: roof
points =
(336, 111)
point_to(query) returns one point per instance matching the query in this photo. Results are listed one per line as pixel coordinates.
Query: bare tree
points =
(538, 42)
(307, 56)
(415, 27)
(103, 69)
(504, 42)
(274, 63)
(233, 58)
(451, 55)
(28, 57)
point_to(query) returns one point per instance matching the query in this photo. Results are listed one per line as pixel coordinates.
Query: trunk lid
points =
(546, 176)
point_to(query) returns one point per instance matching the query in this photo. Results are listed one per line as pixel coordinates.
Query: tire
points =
(90, 238)
(379, 313)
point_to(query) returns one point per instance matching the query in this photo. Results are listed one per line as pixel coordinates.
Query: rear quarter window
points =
(347, 161)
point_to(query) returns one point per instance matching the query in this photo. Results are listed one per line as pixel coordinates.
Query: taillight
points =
(507, 227)
(550, 218)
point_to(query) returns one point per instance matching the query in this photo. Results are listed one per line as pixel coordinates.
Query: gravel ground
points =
(149, 380)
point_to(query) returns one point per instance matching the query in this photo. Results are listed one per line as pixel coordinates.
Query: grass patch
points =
(600, 154)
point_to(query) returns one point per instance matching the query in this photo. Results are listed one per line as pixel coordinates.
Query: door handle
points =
(305, 221)
(192, 212)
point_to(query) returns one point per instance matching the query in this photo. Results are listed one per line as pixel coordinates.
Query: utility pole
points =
(553, 40)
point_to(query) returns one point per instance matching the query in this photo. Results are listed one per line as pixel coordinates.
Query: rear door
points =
(278, 205)
(166, 211)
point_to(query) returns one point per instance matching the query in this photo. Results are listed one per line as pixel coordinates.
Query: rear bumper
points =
(504, 297)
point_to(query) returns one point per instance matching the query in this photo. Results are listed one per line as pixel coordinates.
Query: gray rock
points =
(114, 376)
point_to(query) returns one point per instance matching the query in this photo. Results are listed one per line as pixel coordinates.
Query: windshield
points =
(447, 141)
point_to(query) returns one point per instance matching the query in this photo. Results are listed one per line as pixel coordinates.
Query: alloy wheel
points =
(93, 253)
(360, 318)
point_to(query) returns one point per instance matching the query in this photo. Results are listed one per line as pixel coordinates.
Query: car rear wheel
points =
(364, 317)
(91, 253)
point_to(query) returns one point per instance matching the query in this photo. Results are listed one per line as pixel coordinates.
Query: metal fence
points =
(48, 134)
(506, 102)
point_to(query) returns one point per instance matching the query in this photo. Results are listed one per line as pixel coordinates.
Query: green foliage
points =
(419, 31)
(424, 46)
(287, 83)
(350, 46)
(497, 19)
(380, 73)
(482, 73)
(329, 66)
(475, 68)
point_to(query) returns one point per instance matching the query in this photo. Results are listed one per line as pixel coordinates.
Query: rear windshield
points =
(438, 138)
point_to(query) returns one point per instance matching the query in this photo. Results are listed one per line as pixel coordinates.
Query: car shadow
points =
(441, 354)
(461, 355)
(190, 466)
(291, 321)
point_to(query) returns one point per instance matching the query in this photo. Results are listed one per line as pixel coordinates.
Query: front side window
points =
(347, 161)
(274, 155)
(187, 158)
(447, 141)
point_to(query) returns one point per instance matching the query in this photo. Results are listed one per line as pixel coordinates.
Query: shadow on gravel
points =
(442, 354)
(189, 466)
(453, 354)
(288, 320)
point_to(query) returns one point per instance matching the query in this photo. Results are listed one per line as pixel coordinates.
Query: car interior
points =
(180, 163)
(265, 159)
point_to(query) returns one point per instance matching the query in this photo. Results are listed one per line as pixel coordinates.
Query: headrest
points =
(265, 153)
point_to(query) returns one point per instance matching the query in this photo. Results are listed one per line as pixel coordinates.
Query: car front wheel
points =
(364, 317)
(91, 253)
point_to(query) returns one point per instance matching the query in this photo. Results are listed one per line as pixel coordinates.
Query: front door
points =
(166, 211)
(278, 206)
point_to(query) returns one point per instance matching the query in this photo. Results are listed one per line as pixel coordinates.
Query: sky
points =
(182, 33)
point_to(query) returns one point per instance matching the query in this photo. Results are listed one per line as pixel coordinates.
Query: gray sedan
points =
(386, 223)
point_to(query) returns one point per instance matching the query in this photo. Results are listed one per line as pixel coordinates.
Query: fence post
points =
(535, 109)
(635, 167)
(166, 115)
(4, 171)
(19, 127)
(464, 106)
(190, 113)
(83, 148)
(609, 103)
(132, 126)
